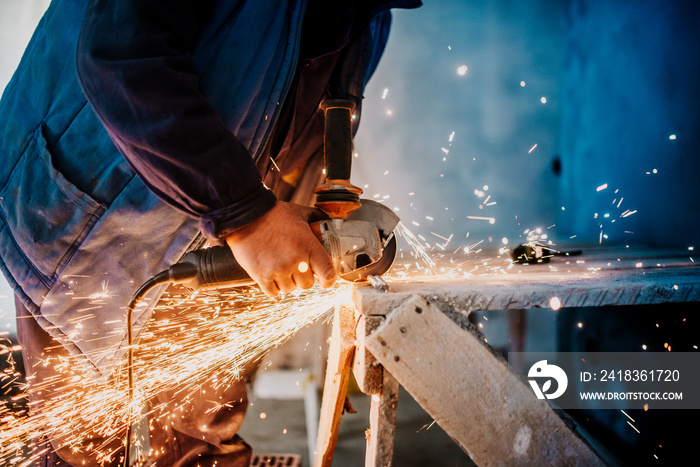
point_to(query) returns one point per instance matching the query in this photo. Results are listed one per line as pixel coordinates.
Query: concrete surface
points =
(418, 443)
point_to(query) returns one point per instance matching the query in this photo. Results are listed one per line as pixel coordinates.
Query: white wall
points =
(18, 18)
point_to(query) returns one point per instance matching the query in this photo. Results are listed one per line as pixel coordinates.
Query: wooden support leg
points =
(340, 357)
(382, 424)
(516, 334)
(383, 389)
(470, 392)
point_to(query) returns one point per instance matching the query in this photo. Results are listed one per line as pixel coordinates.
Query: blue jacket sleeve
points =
(136, 69)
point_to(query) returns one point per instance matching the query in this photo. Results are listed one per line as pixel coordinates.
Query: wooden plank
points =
(468, 390)
(534, 286)
(368, 373)
(340, 356)
(382, 423)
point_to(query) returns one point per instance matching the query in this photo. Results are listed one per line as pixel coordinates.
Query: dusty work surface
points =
(463, 383)
(598, 277)
(419, 441)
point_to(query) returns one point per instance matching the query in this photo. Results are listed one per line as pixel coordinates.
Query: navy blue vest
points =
(79, 231)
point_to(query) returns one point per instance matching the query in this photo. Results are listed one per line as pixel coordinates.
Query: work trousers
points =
(197, 436)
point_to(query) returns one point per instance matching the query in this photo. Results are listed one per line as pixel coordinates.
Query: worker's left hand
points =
(280, 252)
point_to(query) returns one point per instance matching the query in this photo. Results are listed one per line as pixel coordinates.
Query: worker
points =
(131, 131)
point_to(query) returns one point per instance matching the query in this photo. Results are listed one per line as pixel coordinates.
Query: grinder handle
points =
(215, 267)
(337, 139)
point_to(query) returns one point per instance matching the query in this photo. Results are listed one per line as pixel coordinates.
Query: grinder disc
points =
(377, 268)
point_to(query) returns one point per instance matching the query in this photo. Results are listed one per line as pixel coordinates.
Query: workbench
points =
(417, 334)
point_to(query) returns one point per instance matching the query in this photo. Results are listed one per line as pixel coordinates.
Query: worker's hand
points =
(280, 252)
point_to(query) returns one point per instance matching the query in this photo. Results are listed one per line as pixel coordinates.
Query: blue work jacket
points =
(85, 216)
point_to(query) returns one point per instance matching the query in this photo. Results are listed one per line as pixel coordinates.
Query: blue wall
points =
(630, 80)
(495, 120)
(619, 78)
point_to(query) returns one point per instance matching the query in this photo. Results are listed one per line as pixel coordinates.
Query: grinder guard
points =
(359, 244)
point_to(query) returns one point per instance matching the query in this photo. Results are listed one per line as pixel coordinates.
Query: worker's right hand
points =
(275, 248)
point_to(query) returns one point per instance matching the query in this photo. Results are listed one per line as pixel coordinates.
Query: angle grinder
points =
(359, 234)
(363, 244)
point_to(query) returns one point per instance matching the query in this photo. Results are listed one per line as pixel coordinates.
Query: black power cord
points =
(178, 273)
(206, 268)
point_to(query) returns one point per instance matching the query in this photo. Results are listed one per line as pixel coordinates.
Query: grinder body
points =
(358, 234)
(363, 244)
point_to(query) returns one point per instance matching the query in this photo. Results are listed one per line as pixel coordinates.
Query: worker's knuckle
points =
(327, 281)
(329, 271)
(268, 277)
(290, 263)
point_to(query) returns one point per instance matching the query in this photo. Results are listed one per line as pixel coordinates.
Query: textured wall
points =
(629, 82)
(495, 120)
(18, 18)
